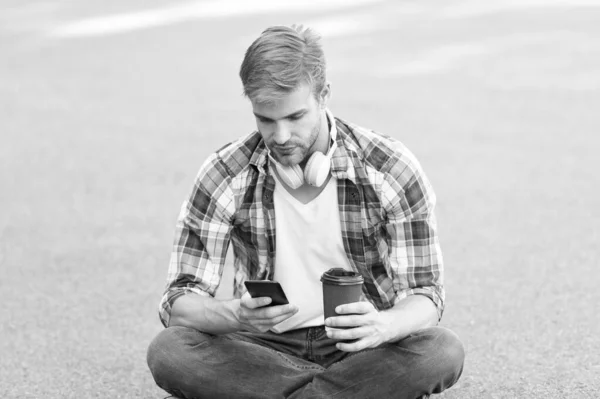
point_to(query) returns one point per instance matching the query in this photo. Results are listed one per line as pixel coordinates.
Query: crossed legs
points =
(191, 364)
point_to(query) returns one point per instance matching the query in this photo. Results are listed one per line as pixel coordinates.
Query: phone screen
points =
(266, 288)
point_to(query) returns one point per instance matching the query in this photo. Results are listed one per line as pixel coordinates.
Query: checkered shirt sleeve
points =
(414, 248)
(201, 238)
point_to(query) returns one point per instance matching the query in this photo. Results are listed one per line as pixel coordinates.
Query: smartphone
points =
(266, 288)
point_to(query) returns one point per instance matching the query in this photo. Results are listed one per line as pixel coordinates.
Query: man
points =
(366, 207)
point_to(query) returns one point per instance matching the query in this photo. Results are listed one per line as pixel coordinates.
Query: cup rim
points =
(339, 276)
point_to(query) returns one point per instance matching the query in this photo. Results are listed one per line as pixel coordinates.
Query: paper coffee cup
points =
(340, 286)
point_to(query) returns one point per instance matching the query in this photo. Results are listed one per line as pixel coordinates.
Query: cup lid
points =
(339, 276)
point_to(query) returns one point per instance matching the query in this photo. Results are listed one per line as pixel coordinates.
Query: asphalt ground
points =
(102, 133)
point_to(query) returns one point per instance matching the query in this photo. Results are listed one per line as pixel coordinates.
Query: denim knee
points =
(167, 352)
(449, 351)
(446, 349)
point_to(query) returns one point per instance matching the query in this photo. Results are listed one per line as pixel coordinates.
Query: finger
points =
(355, 346)
(254, 303)
(355, 308)
(272, 312)
(258, 320)
(346, 321)
(277, 311)
(348, 334)
(280, 318)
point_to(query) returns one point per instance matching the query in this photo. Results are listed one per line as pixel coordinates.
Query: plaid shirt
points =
(386, 214)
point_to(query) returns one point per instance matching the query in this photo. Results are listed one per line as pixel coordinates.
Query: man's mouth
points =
(285, 150)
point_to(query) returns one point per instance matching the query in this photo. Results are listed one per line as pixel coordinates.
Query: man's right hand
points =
(253, 314)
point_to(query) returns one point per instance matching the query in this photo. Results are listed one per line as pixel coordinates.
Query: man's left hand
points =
(369, 327)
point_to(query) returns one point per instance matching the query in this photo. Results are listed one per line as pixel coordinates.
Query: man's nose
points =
(282, 133)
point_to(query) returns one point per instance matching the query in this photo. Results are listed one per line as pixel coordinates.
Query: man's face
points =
(290, 126)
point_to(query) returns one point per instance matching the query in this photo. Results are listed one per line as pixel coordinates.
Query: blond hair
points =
(281, 59)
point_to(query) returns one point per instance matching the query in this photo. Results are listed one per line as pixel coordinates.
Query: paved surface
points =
(104, 124)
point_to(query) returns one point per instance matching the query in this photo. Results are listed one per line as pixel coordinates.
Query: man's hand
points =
(253, 316)
(371, 327)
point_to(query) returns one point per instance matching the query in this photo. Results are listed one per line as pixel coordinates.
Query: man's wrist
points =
(233, 307)
(411, 314)
(392, 331)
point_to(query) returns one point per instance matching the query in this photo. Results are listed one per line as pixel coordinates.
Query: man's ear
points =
(325, 95)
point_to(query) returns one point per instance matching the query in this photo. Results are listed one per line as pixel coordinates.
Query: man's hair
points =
(280, 60)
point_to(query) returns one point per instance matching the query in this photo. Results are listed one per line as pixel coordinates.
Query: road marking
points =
(156, 17)
(349, 24)
(476, 8)
(127, 22)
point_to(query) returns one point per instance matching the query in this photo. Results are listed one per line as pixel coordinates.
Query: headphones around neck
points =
(316, 170)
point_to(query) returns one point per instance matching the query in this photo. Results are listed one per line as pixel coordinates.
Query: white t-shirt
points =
(308, 243)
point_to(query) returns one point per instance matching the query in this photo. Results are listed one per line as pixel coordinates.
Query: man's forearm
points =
(411, 314)
(205, 314)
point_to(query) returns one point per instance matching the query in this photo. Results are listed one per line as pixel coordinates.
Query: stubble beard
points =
(305, 150)
(314, 136)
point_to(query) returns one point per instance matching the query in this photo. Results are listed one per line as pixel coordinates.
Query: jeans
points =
(302, 363)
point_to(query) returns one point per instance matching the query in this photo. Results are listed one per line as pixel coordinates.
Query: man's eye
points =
(261, 120)
(296, 117)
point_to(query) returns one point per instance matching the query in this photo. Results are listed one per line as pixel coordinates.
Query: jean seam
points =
(281, 355)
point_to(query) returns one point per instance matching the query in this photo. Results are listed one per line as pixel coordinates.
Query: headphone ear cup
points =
(292, 176)
(317, 169)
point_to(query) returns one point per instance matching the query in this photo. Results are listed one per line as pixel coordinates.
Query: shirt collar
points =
(260, 156)
(341, 167)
